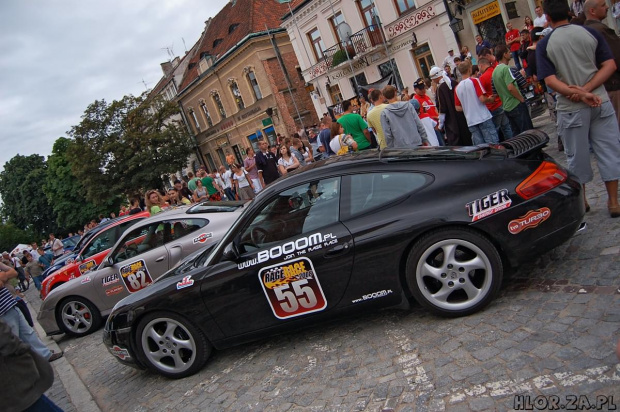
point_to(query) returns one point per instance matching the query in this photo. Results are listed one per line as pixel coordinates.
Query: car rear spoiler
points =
(525, 143)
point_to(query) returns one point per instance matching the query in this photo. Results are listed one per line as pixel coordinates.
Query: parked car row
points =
(339, 236)
(124, 257)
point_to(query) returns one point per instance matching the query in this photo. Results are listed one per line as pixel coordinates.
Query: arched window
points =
(203, 105)
(236, 94)
(219, 105)
(192, 114)
(254, 85)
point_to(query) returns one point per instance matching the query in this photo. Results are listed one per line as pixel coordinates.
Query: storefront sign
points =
(398, 46)
(485, 12)
(409, 22)
(249, 113)
(345, 72)
(267, 121)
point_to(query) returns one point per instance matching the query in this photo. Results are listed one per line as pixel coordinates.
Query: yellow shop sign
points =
(485, 12)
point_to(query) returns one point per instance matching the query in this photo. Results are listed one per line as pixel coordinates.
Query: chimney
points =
(167, 68)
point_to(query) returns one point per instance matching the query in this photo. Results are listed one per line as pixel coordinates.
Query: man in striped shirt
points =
(15, 319)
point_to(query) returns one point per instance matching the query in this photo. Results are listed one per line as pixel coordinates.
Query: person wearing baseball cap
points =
(427, 106)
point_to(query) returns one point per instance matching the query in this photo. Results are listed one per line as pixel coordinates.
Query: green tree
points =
(11, 236)
(66, 194)
(24, 203)
(127, 146)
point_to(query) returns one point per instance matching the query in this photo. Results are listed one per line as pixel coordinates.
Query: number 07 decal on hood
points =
(292, 288)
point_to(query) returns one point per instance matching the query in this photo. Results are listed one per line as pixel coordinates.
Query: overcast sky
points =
(58, 56)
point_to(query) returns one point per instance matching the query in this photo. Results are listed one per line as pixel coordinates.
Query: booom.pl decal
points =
(110, 279)
(86, 266)
(186, 282)
(203, 237)
(291, 249)
(489, 204)
(86, 279)
(135, 276)
(292, 288)
(121, 353)
(114, 290)
(531, 219)
(373, 295)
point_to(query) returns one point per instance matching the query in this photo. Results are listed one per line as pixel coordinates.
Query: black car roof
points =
(515, 147)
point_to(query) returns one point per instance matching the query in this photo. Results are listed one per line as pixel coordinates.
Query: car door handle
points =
(337, 251)
(159, 259)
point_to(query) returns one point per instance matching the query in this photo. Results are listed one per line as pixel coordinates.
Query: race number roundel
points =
(292, 288)
(135, 276)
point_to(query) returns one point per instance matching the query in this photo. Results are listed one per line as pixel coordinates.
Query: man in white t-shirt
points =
(541, 19)
(470, 99)
(57, 246)
(226, 177)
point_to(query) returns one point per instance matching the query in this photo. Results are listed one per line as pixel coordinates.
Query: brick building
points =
(243, 83)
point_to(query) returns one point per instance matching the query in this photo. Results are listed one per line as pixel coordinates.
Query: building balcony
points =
(360, 43)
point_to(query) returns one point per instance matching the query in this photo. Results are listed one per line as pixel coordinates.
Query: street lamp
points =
(456, 25)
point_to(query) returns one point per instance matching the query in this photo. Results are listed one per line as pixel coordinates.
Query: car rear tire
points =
(77, 316)
(454, 272)
(171, 345)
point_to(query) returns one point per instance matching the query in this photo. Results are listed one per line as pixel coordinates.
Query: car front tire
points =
(171, 345)
(77, 316)
(454, 272)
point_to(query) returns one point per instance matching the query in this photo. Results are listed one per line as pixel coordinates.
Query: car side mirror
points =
(231, 252)
(108, 262)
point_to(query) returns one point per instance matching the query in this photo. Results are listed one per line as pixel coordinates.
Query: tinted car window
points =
(154, 235)
(294, 211)
(371, 190)
(107, 239)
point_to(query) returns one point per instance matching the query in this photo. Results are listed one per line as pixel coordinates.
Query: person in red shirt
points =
(500, 120)
(427, 106)
(513, 41)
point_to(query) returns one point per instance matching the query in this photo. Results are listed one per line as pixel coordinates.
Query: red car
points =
(91, 254)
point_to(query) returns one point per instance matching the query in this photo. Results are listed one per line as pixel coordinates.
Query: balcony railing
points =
(360, 43)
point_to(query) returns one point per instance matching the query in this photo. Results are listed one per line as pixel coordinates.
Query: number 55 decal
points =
(292, 288)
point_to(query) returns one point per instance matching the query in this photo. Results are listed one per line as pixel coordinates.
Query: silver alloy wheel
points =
(76, 317)
(454, 274)
(168, 345)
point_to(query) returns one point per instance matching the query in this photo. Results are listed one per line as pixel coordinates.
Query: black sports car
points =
(351, 233)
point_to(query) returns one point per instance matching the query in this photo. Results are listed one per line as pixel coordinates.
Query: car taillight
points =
(546, 177)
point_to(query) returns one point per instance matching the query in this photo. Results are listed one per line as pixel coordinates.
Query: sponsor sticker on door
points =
(531, 219)
(292, 288)
(488, 204)
(136, 276)
(86, 266)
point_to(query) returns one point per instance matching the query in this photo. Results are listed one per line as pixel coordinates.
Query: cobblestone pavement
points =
(551, 331)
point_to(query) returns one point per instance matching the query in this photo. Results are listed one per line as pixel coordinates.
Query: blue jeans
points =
(484, 133)
(37, 281)
(440, 139)
(229, 193)
(515, 57)
(520, 119)
(501, 122)
(20, 328)
(43, 404)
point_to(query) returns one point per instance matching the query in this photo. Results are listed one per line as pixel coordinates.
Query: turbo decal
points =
(288, 250)
(186, 282)
(489, 204)
(136, 276)
(292, 288)
(114, 290)
(110, 280)
(86, 279)
(203, 237)
(119, 352)
(531, 219)
(87, 266)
